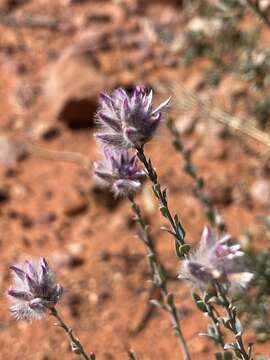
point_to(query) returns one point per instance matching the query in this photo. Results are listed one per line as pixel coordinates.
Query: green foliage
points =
(256, 306)
(226, 356)
(262, 111)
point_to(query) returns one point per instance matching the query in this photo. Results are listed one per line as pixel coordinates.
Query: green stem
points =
(177, 229)
(211, 212)
(211, 314)
(76, 345)
(159, 277)
(232, 323)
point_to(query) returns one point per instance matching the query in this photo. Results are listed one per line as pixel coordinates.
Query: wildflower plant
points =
(216, 269)
(133, 122)
(118, 169)
(211, 264)
(35, 293)
(128, 121)
(134, 116)
(216, 266)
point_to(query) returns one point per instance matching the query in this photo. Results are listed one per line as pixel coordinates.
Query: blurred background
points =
(213, 58)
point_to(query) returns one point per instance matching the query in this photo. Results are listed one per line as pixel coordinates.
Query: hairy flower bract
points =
(119, 172)
(216, 260)
(128, 121)
(34, 290)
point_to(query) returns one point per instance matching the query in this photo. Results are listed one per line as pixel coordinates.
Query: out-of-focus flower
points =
(34, 290)
(216, 260)
(128, 121)
(119, 172)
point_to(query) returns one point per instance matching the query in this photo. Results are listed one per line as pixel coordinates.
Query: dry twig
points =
(186, 100)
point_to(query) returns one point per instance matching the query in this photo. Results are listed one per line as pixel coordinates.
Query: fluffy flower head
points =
(119, 172)
(128, 121)
(34, 290)
(216, 260)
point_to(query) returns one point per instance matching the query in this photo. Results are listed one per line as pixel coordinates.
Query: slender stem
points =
(76, 345)
(159, 277)
(234, 323)
(211, 211)
(177, 229)
(215, 322)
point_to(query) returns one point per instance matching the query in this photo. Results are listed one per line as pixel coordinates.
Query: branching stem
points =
(76, 345)
(159, 278)
(199, 190)
(233, 324)
(177, 229)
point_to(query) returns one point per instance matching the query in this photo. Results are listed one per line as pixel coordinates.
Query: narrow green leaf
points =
(177, 145)
(196, 297)
(228, 355)
(184, 249)
(200, 183)
(201, 306)
(170, 300)
(218, 356)
(164, 194)
(238, 353)
(156, 189)
(177, 250)
(199, 302)
(164, 211)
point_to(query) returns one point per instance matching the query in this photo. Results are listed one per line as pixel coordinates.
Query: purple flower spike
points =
(34, 290)
(119, 172)
(216, 260)
(128, 121)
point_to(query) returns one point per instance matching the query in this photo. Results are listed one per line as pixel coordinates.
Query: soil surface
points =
(55, 57)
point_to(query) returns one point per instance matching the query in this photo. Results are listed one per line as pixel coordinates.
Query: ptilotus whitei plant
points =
(123, 176)
(212, 213)
(217, 269)
(130, 122)
(35, 293)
